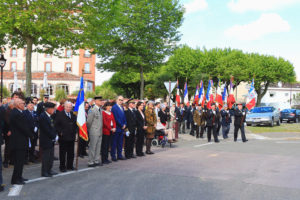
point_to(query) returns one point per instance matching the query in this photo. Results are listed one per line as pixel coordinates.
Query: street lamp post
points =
(2, 64)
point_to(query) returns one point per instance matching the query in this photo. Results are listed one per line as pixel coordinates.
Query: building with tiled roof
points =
(64, 72)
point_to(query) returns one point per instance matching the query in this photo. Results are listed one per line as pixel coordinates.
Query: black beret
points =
(130, 101)
(97, 97)
(49, 105)
(46, 95)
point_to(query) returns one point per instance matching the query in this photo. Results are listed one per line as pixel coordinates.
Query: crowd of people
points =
(30, 130)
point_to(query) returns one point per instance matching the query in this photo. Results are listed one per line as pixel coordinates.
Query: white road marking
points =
(288, 142)
(15, 190)
(258, 137)
(200, 145)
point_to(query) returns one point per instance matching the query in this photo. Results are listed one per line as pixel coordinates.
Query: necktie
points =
(69, 115)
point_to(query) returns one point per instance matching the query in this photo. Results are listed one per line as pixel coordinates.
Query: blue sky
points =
(269, 27)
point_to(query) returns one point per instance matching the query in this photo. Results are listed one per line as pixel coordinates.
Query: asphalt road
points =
(267, 167)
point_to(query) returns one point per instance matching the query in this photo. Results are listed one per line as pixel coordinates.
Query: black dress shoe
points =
(98, 164)
(24, 179)
(148, 152)
(106, 162)
(46, 175)
(122, 158)
(127, 157)
(217, 141)
(1, 188)
(132, 156)
(245, 140)
(63, 169)
(71, 168)
(18, 183)
(53, 173)
(114, 159)
(91, 165)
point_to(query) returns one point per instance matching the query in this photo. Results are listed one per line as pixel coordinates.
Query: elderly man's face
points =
(68, 107)
(30, 106)
(20, 104)
(120, 100)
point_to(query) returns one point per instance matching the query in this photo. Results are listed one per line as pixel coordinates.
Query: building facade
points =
(62, 72)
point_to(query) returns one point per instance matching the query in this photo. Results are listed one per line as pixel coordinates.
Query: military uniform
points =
(212, 124)
(199, 121)
(239, 120)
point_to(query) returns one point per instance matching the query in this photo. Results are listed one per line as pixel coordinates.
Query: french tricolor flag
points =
(251, 98)
(178, 94)
(209, 94)
(196, 97)
(201, 95)
(219, 96)
(79, 108)
(186, 95)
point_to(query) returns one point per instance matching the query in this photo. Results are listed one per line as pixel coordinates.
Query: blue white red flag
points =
(251, 98)
(224, 95)
(230, 99)
(79, 108)
(178, 94)
(186, 95)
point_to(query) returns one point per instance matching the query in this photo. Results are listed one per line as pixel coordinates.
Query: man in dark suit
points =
(212, 123)
(47, 139)
(19, 140)
(191, 111)
(33, 123)
(131, 125)
(40, 106)
(117, 137)
(181, 117)
(239, 120)
(65, 124)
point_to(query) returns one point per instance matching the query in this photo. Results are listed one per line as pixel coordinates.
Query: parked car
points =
(289, 115)
(263, 116)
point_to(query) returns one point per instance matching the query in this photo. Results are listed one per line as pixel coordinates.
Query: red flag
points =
(230, 99)
(219, 96)
(196, 97)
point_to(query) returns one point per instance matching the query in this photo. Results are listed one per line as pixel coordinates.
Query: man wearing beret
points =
(47, 139)
(94, 126)
(40, 107)
(239, 120)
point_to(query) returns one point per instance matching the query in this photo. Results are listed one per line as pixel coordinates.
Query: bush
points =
(60, 94)
(6, 92)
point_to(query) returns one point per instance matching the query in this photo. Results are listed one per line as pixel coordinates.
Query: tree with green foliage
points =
(146, 34)
(48, 26)
(106, 91)
(60, 94)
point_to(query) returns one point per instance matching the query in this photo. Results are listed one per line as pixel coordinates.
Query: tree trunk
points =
(28, 66)
(261, 94)
(142, 83)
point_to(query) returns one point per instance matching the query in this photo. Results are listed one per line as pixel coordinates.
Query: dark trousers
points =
(18, 159)
(215, 134)
(193, 128)
(225, 130)
(47, 160)
(218, 128)
(32, 148)
(201, 131)
(148, 144)
(82, 147)
(181, 127)
(188, 124)
(129, 144)
(116, 143)
(104, 147)
(139, 142)
(66, 149)
(7, 152)
(1, 178)
(236, 130)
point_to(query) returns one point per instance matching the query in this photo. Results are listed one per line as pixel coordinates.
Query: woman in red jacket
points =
(109, 127)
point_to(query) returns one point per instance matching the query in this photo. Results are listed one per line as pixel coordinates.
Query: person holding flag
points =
(219, 100)
(209, 94)
(239, 122)
(201, 95)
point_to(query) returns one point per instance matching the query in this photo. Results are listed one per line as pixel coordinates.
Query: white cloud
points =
(195, 6)
(260, 5)
(266, 24)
